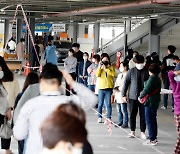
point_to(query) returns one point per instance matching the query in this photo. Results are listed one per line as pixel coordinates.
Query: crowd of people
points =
(139, 78)
(47, 122)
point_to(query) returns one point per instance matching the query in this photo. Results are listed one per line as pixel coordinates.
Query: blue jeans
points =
(151, 122)
(104, 96)
(166, 86)
(122, 113)
(83, 81)
(91, 87)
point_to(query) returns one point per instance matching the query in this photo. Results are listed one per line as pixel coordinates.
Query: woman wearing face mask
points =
(92, 72)
(64, 132)
(11, 85)
(82, 69)
(152, 87)
(121, 105)
(174, 78)
(105, 74)
(70, 66)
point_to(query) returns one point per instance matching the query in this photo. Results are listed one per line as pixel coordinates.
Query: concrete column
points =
(81, 31)
(6, 31)
(96, 37)
(19, 30)
(31, 22)
(128, 26)
(154, 38)
(75, 32)
(126, 30)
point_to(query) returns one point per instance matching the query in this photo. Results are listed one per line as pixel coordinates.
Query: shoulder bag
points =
(6, 130)
(143, 100)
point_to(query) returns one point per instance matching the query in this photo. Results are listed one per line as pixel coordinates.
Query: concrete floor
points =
(118, 142)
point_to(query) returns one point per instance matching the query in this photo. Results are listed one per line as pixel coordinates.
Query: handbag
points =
(143, 100)
(6, 130)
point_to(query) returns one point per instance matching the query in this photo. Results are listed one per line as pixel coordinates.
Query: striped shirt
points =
(36, 110)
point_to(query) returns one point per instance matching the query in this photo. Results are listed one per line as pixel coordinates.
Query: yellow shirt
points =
(105, 77)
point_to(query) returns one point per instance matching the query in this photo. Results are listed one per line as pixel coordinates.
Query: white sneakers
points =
(155, 142)
(132, 135)
(99, 120)
(143, 136)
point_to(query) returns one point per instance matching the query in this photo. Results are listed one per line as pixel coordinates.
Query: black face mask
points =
(106, 63)
(175, 64)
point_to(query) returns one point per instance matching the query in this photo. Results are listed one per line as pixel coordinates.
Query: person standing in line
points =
(41, 48)
(82, 69)
(129, 55)
(36, 110)
(167, 65)
(11, 85)
(134, 81)
(70, 64)
(121, 105)
(32, 78)
(177, 62)
(152, 87)
(174, 78)
(78, 54)
(20, 50)
(105, 74)
(50, 54)
(35, 54)
(36, 38)
(92, 72)
(50, 37)
(131, 62)
(12, 45)
(45, 40)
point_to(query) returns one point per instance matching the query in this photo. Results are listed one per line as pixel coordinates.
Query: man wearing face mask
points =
(82, 69)
(134, 81)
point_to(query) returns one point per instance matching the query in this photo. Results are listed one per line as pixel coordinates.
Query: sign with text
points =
(59, 27)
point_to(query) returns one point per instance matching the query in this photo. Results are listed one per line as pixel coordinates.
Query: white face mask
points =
(93, 60)
(76, 150)
(70, 53)
(85, 57)
(139, 66)
(177, 78)
(23, 43)
(1, 74)
(134, 56)
(121, 69)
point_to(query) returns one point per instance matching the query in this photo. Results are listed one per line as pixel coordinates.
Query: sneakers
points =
(124, 126)
(131, 135)
(163, 107)
(155, 142)
(99, 120)
(119, 124)
(143, 136)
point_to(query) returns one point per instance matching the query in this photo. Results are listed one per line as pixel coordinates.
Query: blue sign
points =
(39, 28)
(43, 27)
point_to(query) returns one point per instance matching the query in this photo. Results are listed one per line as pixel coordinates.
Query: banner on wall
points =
(40, 28)
(58, 27)
(1, 42)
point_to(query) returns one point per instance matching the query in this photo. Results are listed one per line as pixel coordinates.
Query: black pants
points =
(5, 143)
(133, 108)
(21, 146)
(68, 87)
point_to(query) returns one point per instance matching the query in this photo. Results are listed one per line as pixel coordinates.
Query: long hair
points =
(32, 78)
(8, 75)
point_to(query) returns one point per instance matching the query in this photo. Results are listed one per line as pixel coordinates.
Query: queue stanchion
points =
(27, 68)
